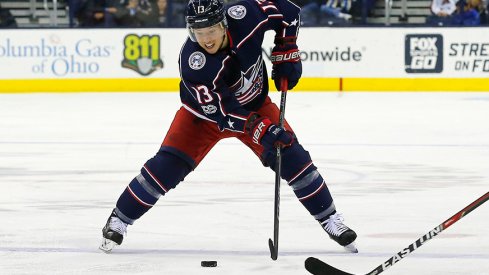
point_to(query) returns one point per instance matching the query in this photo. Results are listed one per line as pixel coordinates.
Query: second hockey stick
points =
(273, 245)
(318, 267)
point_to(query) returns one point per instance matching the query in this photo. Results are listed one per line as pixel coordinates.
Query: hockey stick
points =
(273, 245)
(318, 267)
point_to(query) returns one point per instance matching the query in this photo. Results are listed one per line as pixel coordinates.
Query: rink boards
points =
(334, 59)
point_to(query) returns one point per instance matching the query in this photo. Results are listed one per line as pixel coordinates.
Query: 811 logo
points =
(423, 53)
(142, 53)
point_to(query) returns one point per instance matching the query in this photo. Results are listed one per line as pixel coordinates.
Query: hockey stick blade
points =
(318, 267)
(273, 250)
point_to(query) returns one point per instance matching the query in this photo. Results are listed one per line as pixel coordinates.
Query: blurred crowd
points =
(126, 13)
(458, 13)
(443, 12)
(169, 13)
(7, 20)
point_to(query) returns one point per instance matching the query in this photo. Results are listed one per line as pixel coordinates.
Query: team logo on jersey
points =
(237, 12)
(196, 60)
(209, 109)
(250, 84)
(142, 53)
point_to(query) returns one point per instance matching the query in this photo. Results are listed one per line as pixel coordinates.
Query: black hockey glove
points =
(286, 62)
(269, 135)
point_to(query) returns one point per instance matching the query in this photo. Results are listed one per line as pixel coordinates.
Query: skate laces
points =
(117, 225)
(334, 225)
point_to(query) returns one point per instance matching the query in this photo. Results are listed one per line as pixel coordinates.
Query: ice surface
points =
(397, 164)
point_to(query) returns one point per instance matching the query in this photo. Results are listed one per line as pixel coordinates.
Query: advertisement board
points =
(333, 59)
(90, 53)
(395, 52)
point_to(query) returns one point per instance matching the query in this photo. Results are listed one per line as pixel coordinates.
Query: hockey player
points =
(224, 94)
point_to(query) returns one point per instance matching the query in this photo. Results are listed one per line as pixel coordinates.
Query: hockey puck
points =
(208, 263)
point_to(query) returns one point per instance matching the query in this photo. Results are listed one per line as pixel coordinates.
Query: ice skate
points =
(112, 233)
(340, 233)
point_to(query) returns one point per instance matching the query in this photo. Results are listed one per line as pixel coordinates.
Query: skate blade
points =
(107, 245)
(352, 248)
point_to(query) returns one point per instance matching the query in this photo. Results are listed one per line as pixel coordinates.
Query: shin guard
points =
(312, 192)
(308, 185)
(158, 176)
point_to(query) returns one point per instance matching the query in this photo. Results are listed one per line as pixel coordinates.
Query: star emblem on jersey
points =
(231, 124)
(294, 23)
(237, 12)
(250, 84)
(196, 60)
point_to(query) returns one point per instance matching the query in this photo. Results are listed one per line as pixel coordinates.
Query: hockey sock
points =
(158, 175)
(136, 200)
(312, 192)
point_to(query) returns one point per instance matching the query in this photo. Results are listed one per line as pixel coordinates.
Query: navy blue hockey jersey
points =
(226, 86)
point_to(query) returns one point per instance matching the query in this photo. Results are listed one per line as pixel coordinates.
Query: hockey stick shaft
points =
(273, 245)
(318, 267)
(430, 235)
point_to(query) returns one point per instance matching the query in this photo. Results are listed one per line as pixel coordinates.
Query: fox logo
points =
(424, 53)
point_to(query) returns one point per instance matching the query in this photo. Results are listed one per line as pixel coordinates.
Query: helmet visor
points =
(208, 33)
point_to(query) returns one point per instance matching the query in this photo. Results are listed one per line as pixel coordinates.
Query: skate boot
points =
(339, 232)
(113, 233)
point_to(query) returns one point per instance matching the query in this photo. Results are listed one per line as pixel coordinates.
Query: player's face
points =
(211, 38)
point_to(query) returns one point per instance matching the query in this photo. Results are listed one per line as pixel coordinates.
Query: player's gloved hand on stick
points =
(269, 135)
(286, 62)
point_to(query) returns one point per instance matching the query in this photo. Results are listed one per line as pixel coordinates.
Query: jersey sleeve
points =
(283, 16)
(211, 98)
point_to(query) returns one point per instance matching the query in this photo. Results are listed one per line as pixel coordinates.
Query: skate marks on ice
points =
(356, 177)
(234, 253)
(66, 178)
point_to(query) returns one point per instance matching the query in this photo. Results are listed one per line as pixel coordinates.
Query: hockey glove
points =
(269, 135)
(286, 62)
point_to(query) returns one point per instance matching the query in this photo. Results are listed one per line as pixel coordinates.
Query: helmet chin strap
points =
(222, 43)
(224, 39)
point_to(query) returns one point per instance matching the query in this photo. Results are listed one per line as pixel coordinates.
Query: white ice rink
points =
(397, 164)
